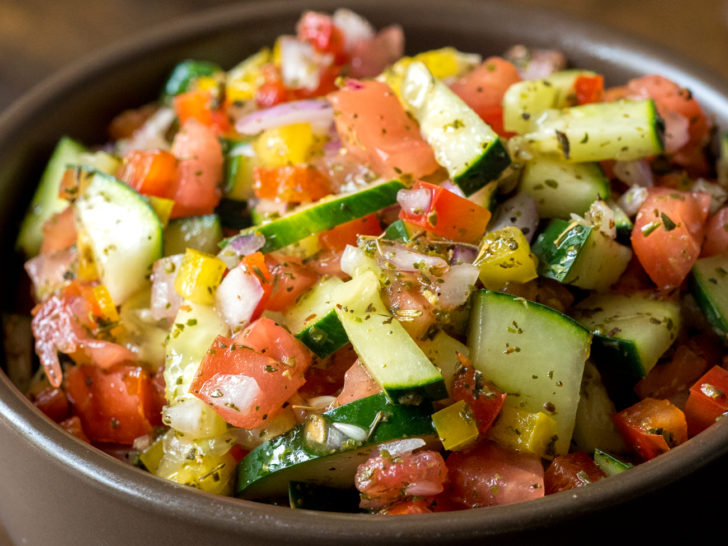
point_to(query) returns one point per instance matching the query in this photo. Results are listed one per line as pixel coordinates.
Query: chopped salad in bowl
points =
(341, 278)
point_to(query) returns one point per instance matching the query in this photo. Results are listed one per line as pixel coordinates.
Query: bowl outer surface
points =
(56, 490)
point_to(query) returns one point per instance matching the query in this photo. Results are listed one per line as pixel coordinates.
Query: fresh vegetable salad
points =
(341, 278)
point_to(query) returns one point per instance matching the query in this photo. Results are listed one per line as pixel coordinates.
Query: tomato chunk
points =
(199, 105)
(483, 397)
(652, 427)
(53, 402)
(571, 471)
(589, 89)
(716, 233)
(291, 183)
(357, 384)
(708, 400)
(151, 172)
(290, 279)
(376, 130)
(347, 234)
(447, 214)
(115, 405)
(668, 234)
(490, 475)
(271, 339)
(59, 232)
(319, 30)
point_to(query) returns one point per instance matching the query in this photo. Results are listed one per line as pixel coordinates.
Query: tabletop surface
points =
(38, 37)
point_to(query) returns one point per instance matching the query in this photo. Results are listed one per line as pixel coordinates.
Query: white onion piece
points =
(718, 194)
(354, 27)
(520, 211)
(401, 258)
(423, 488)
(231, 391)
(631, 200)
(165, 300)
(354, 262)
(414, 201)
(319, 113)
(456, 286)
(301, 64)
(634, 173)
(677, 131)
(453, 188)
(352, 431)
(397, 448)
(601, 216)
(151, 135)
(192, 416)
(237, 296)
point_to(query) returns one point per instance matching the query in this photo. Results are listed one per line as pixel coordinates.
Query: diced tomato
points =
(483, 397)
(589, 89)
(73, 426)
(357, 384)
(272, 91)
(271, 339)
(668, 234)
(383, 479)
(492, 475)
(53, 402)
(326, 377)
(115, 405)
(401, 294)
(375, 129)
(256, 265)
(242, 384)
(347, 233)
(291, 183)
(59, 232)
(483, 88)
(708, 400)
(125, 124)
(199, 170)
(408, 507)
(319, 30)
(716, 233)
(291, 278)
(673, 377)
(199, 105)
(448, 215)
(652, 427)
(327, 262)
(151, 172)
(571, 471)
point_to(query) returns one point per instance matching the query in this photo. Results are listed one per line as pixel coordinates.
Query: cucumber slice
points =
(239, 163)
(631, 331)
(327, 448)
(383, 345)
(326, 214)
(572, 253)
(622, 130)
(398, 231)
(124, 233)
(442, 349)
(45, 202)
(202, 233)
(185, 73)
(622, 222)
(561, 188)
(609, 464)
(463, 143)
(533, 353)
(709, 284)
(314, 320)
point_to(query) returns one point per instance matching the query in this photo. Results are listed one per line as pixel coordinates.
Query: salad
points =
(340, 278)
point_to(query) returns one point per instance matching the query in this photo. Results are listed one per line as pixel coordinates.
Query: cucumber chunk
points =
(532, 352)
(327, 448)
(123, 257)
(463, 143)
(609, 464)
(202, 233)
(383, 345)
(709, 283)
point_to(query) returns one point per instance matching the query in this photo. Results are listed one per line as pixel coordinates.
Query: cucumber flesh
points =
(201, 233)
(123, 257)
(709, 283)
(609, 464)
(532, 352)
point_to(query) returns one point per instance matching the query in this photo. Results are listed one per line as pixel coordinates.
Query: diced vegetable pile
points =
(340, 278)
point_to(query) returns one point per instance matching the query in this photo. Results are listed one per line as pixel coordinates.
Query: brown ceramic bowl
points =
(56, 490)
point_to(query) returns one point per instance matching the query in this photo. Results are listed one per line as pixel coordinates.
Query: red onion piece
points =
(677, 131)
(520, 211)
(632, 200)
(238, 296)
(456, 286)
(165, 300)
(534, 64)
(240, 246)
(463, 254)
(453, 188)
(319, 113)
(414, 201)
(402, 258)
(634, 173)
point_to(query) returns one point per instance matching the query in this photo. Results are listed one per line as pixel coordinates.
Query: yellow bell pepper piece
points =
(199, 276)
(163, 207)
(505, 256)
(211, 473)
(456, 426)
(87, 270)
(244, 79)
(524, 431)
(287, 145)
(152, 456)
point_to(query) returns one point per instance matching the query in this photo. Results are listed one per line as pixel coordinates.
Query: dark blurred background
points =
(37, 37)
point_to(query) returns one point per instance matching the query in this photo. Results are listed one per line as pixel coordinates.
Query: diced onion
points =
(354, 27)
(319, 113)
(520, 211)
(397, 448)
(634, 173)
(301, 64)
(151, 135)
(631, 200)
(718, 194)
(192, 416)
(456, 286)
(352, 431)
(165, 300)
(231, 391)
(240, 246)
(238, 296)
(414, 201)
(401, 258)
(601, 216)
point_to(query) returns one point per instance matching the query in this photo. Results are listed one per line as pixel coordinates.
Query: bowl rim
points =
(153, 494)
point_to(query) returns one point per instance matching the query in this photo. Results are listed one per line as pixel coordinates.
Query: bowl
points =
(59, 490)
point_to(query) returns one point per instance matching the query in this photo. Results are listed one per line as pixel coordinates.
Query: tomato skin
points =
(716, 233)
(483, 88)
(290, 183)
(668, 234)
(571, 471)
(449, 215)
(319, 30)
(483, 397)
(73, 426)
(115, 405)
(199, 170)
(347, 234)
(198, 104)
(589, 89)
(402, 295)
(708, 400)
(150, 172)
(357, 384)
(290, 279)
(674, 377)
(651, 427)
(271, 339)
(376, 130)
(272, 91)
(59, 232)
(490, 475)
(327, 377)
(53, 402)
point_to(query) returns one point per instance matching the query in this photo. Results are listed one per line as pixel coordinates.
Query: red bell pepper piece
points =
(708, 400)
